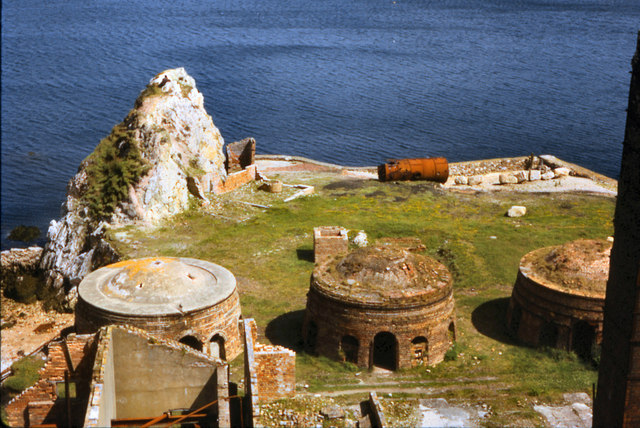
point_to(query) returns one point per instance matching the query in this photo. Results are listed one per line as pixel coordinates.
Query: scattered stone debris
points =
(439, 413)
(576, 413)
(360, 239)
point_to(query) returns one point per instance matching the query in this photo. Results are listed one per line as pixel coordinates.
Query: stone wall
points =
(220, 319)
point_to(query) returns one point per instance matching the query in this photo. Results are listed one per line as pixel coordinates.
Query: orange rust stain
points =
(133, 267)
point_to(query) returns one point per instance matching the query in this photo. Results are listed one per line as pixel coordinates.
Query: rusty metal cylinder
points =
(432, 169)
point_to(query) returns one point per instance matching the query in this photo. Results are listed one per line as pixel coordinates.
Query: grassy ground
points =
(270, 252)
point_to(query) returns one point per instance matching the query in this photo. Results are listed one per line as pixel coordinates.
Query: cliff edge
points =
(143, 171)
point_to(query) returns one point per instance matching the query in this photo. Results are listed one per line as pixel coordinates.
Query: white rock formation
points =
(177, 141)
(361, 240)
(517, 211)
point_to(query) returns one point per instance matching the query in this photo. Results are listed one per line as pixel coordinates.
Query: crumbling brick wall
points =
(39, 404)
(276, 368)
(240, 155)
(270, 371)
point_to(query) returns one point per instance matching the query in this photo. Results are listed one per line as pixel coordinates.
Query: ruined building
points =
(123, 376)
(558, 297)
(617, 401)
(384, 306)
(188, 300)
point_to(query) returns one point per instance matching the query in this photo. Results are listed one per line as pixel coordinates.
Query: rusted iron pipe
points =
(432, 169)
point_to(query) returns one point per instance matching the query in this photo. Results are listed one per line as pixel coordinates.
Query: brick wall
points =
(334, 319)
(235, 180)
(270, 371)
(276, 368)
(240, 155)
(39, 403)
(329, 241)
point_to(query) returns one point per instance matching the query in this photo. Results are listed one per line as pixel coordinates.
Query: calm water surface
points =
(352, 82)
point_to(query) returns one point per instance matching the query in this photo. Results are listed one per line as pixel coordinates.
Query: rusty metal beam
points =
(130, 422)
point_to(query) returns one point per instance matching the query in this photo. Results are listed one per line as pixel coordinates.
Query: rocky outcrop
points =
(165, 149)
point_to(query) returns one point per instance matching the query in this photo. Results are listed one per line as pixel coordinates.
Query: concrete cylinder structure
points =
(558, 297)
(381, 306)
(192, 301)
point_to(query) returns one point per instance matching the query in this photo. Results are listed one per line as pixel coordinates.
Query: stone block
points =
(475, 180)
(561, 172)
(534, 175)
(516, 211)
(508, 179)
(461, 180)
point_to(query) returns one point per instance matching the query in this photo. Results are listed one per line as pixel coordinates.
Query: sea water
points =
(352, 82)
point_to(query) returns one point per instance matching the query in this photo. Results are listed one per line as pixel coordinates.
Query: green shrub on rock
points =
(113, 166)
(24, 233)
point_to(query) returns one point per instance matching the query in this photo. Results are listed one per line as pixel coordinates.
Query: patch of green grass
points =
(25, 374)
(270, 252)
(150, 91)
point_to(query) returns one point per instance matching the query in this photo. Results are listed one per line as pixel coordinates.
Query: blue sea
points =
(353, 82)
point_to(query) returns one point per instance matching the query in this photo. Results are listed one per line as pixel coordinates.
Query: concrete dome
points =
(190, 300)
(157, 285)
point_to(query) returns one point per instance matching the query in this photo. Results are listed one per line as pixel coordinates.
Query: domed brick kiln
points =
(382, 306)
(192, 301)
(558, 297)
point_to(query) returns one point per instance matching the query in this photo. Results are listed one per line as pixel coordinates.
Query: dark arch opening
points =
(385, 351)
(452, 332)
(548, 335)
(192, 341)
(216, 347)
(312, 336)
(516, 316)
(419, 351)
(582, 339)
(349, 347)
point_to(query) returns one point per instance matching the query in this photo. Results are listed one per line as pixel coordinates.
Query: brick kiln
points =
(384, 306)
(558, 297)
(192, 301)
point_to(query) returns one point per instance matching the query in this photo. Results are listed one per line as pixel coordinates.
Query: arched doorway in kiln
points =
(216, 346)
(385, 351)
(192, 341)
(349, 347)
(419, 351)
(582, 339)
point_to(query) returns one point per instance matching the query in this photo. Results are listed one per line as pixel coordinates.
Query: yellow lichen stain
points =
(133, 267)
